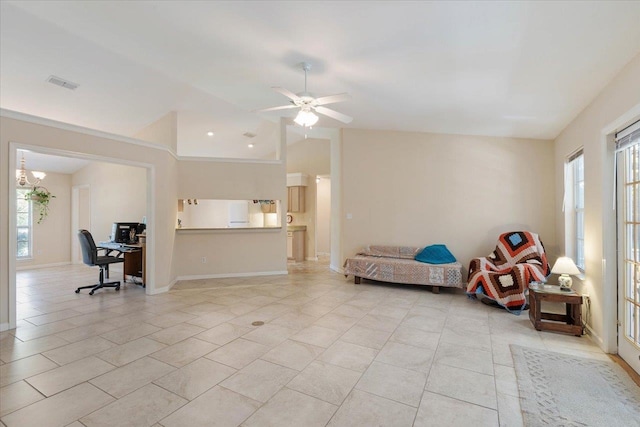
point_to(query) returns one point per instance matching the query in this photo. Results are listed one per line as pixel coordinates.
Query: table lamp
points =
(565, 266)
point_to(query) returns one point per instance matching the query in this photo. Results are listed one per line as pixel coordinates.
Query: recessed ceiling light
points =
(210, 133)
(250, 145)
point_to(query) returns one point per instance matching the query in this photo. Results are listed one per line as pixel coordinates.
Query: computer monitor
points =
(120, 231)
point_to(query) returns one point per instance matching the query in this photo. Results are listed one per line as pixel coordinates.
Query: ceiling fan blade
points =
(286, 93)
(282, 107)
(334, 114)
(331, 99)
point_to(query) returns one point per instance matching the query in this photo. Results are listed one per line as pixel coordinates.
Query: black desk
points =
(134, 262)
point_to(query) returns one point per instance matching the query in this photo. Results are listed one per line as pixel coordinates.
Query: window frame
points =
(574, 209)
(28, 227)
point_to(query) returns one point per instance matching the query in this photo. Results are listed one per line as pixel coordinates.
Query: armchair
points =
(91, 258)
(504, 276)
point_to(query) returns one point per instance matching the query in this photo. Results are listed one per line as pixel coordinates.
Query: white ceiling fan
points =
(308, 104)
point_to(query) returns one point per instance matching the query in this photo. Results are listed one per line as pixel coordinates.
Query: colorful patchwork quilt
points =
(504, 276)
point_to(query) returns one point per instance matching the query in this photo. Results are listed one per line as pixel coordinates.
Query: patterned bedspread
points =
(504, 276)
(396, 264)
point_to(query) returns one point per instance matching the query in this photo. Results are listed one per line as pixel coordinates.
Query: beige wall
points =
(230, 252)
(419, 189)
(118, 194)
(323, 216)
(164, 131)
(162, 175)
(312, 157)
(617, 105)
(51, 244)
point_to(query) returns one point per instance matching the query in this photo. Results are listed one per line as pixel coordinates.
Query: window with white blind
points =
(574, 208)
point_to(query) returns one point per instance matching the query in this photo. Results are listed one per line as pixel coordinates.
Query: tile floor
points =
(329, 353)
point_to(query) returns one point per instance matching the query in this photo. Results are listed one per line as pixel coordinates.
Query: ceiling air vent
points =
(249, 134)
(62, 82)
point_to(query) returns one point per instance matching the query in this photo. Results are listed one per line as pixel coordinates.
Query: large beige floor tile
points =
(16, 396)
(361, 409)
(437, 410)
(288, 408)
(24, 368)
(130, 333)
(238, 353)
(177, 333)
(326, 382)
(366, 337)
(464, 357)
(60, 409)
(223, 333)
(80, 333)
(210, 320)
(78, 350)
(509, 411)
(128, 378)
(170, 319)
(20, 350)
(379, 322)
(350, 356)
(218, 407)
(293, 354)
(317, 335)
(425, 323)
(474, 339)
(192, 380)
(416, 337)
(463, 384)
(270, 335)
(184, 352)
(69, 375)
(260, 380)
(143, 407)
(336, 321)
(406, 356)
(399, 384)
(133, 350)
(32, 332)
(53, 317)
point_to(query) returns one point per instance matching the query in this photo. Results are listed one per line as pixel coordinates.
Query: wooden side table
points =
(571, 321)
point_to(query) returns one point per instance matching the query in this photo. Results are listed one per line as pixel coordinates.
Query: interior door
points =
(629, 254)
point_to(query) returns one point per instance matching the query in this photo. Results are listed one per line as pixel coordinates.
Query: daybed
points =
(397, 264)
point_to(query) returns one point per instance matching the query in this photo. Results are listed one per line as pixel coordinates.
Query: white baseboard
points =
(311, 258)
(36, 266)
(595, 337)
(336, 269)
(324, 253)
(227, 275)
(4, 327)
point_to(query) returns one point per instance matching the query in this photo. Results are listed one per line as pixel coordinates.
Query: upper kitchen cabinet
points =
(295, 199)
(296, 183)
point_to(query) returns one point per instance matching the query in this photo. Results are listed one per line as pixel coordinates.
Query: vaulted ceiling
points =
(520, 69)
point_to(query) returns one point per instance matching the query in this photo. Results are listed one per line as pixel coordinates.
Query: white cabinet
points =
(290, 244)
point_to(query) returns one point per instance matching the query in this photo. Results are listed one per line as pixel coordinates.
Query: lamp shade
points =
(306, 118)
(565, 265)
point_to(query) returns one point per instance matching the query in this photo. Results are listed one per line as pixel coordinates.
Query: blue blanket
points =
(436, 254)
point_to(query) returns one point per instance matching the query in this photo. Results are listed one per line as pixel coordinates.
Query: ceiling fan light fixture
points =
(306, 118)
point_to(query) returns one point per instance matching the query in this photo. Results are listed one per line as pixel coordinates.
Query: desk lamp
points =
(565, 266)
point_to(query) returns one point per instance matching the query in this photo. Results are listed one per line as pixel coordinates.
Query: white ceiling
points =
(521, 69)
(34, 161)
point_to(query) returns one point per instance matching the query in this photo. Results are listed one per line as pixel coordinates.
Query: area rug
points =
(561, 390)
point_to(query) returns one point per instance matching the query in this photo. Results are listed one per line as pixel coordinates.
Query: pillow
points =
(436, 254)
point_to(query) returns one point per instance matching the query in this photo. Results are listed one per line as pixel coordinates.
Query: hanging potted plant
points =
(41, 197)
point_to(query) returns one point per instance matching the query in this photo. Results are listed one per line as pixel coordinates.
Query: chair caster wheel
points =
(77, 291)
(117, 288)
(91, 293)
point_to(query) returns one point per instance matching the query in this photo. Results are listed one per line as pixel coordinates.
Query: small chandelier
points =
(21, 175)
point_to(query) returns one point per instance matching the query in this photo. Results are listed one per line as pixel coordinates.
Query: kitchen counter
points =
(296, 228)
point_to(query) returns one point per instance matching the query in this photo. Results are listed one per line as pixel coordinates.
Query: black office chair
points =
(91, 258)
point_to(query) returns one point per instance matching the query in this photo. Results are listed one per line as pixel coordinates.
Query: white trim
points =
(163, 289)
(311, 258)
(228, 160)
(83, 130)
(595, 337)
(628, 131)
(37, 266)
(4, 327)
(227, 275)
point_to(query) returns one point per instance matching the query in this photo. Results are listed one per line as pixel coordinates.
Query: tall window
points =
(574, 208)
(24, 224)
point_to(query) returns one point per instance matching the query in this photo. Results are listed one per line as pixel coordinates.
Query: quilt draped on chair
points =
(504, 276)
